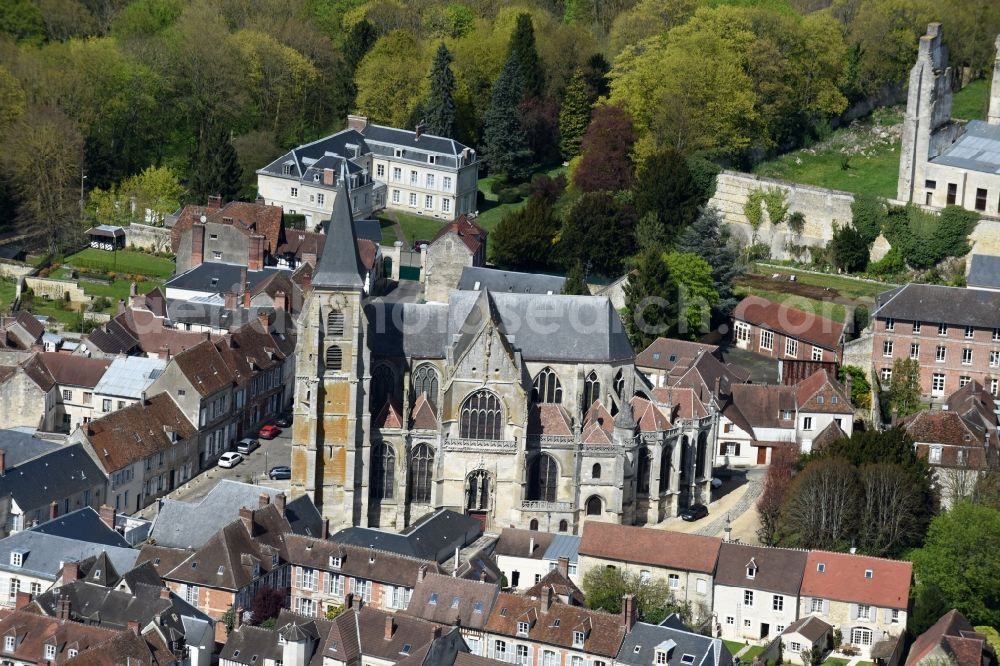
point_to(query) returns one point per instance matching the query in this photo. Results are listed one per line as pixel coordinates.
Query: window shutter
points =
(854, 611)
(737, 448)
(722, 449)
(826, 607)
(887, 615)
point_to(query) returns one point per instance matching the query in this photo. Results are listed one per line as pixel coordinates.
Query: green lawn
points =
(972, 101)
(8, 288)
(491, 212)
(415, 227)
(49, 308)
(123, 261)
(836, 661)
(748, 656)
(835, 311)
(388, 231)
(734, 646)
(114, 291)
(875, 172)
(845, 286)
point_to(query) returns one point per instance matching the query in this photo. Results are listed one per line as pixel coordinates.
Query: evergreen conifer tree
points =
(711, 240)
(505, 146)
(576, 281)
(217, 169)
(574, 115)
(522, 47)
(440, 108)
(650, 297)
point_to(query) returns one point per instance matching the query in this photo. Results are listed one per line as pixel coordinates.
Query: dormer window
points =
(72, 652)
(661, 657)
(221, 571)
(97, 574)
(286, 169)
(16, 559)
(398, 152)
(434, 599)
(578, 637)
(50, 651)
(315, 177)
(8, 643)
(751, 570)
(431, 159)
(522, 628)
(335, 561)
(819, 399)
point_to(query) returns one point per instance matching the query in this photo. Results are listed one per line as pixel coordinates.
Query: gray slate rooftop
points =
(984, 271)
(44, 554)
(978, 149)
(640, 644)
(51, 476)
(217, 278)
(83, 525)
(434, 538)
(563, 545)
(477, 278)
(957, 306)
(19, 447)
(340, 266)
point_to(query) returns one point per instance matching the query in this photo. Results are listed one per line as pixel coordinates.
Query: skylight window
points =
(869, 573)
(637, 650)
(221, 570)
(406, 649)
(821, 567)
(478, 608)
(434, 598)
(687, 659)
(455, 601)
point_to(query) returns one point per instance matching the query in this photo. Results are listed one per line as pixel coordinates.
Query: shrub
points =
(497, 185)
(758, 252)
(508, 196)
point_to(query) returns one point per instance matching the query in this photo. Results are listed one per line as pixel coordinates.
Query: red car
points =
(269, 432)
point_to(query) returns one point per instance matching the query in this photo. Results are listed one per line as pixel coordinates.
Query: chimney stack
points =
(482, 575)
(3, 462)
(531, 546)
(421, 572)
(22, 599)
(197, 244)
(389, 627)
(358, 123)
(263, 500)
(107, 514)
(255, 254)
(629, 612)
(349, 601)
(70, 572)
(325, 533)
(419, 130)
(164, 592)
(53, 510)
(214, 201)
(563, 566)
(264, 319)
(246, 515)
(279, 502)
(280, 301)
(546, 598)
(63, 607)
(230, 300)
(133, 626)
(328, 177)
(238, 617)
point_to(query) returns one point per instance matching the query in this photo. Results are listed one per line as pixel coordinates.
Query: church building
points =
(521, 410)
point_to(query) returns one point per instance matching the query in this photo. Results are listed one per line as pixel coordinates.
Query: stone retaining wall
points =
(14, 269)
(54, 289)
(145, 237)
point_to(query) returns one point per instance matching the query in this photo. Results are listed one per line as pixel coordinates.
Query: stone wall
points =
(54, 289)
(14, 269)
(821, 208)
(145, 237)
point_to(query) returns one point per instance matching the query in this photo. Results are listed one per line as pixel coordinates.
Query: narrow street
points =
(734, 501)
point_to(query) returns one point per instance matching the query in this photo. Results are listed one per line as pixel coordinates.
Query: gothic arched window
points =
(594, 506)
(482, 416)
(591, 390)
(421, 473)
(701, 454)
(335, 323)
(620, 384)
(642, 474)
(563, 526)
(595, 471)
(665, 469)
(334, 358)
(478, 493)
(543, 479)
(547, 387)
(382, 387)
(383, 471)
(425, 380)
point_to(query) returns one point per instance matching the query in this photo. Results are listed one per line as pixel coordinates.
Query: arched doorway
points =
(479, 495)
(594, 506)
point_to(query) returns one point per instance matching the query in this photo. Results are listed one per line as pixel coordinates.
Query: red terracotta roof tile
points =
(844, 579)
(471, 233)
(788, 321)
(423, 417)
(138, 431)
(644, 545)
(549, 419)
(75, 370)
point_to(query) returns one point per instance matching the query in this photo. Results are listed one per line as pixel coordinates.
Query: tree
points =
(144, 197)
(904, 387)
(359, 41)
(440, 110)
(777, 481)
(868, 214)
(43, 156)
(891, 515)
(650, 301)
(389, 77)
(522, 49)
(505, 146)
(12, 100)
(813, 656)
(266, 604)
(574, 115)
(216, 170)
(524, 238)
(649, 234)
(696, 295)
(960, 558)
(664, 186)
(849, 249)
(822, 507)
(605, 587)
(605, 163)
(861, 388)
(712, 240)
(598, 231)
(576, 281)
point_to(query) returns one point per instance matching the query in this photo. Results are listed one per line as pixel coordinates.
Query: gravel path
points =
(754, 488)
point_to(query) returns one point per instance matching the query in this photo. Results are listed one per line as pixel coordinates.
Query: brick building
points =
(779, 331)
(952, 332)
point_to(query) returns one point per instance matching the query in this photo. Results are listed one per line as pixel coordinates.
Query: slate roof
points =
(977, 149)
(253, 645)
(563, 545)
(44, 554)
(19, 447)
(83, 525)
(214, 278)
(957, 306)
(341, 265)
(113, 338)
(638, 648)
(530, 544)
(51, 476)
(640, 545)
(789, 321)
(776, 569)
(162, 558)
(328, 152)
(134, 433)
(189, 525)
(443, 599)
(425, 143)
(370, 625)
(130, 376)
(957, 638)
(843, 579)
(433, 538)
(75, 370)
(984, 272)
(476, 278)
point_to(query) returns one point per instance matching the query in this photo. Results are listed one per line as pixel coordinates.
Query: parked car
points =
(420, 245)
(247, 445)
(716, 482)
(283, 421)
(694, 512)
(280, 472)
(230, 459)
(269, 432)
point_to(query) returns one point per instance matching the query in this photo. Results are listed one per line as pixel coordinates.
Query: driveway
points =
(733, 502)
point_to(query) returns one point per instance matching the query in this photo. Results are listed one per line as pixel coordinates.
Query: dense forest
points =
(166, 100)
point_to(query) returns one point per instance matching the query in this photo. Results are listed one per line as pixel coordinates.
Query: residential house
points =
(477, 278)
(779, 331)
(800, 637)
(539, 630)
(323, 573)
(30, 639)
(452, 601)
(295, 640)
(952, 332)
(230, 567)
(449, 649)
(125, 382)
(564, 590)
(366, 635)
(23, 331)
(686, 561)
(456, 245)
(564, 552)
(34, 561)
(670, 643)
(756, 591)
(239, 233)
(520, 555)
(960, 443)
(953, 640)
(93, 526)
(665, 359)
(130, 647)
(55, 481)
(29, 396)
(866, 598)
(75, 378)
(145, 450)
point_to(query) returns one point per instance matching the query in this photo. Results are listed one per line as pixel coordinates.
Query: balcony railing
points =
(481, 445)
(539, 505)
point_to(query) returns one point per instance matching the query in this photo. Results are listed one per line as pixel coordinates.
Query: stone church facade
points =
(520, 410)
